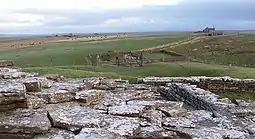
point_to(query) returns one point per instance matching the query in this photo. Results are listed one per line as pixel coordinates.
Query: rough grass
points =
(154, 69)
(75, 53)
(235, 50)
(156, 55)
(238, 95)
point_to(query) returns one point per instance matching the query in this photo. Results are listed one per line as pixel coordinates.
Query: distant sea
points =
(152, 32)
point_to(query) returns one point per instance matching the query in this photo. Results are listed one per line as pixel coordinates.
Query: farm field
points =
(210, 56)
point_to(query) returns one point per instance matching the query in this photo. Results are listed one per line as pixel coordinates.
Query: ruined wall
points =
(214, 84)
(196, 97)
(5, 63)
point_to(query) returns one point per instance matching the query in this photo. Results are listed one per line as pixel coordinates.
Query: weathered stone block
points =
(127, 127)
(127, 110)
(24, 121)
(154, 117)
(156, 103)
(54, 95)
(6, 63)
(154, 132)
(33, 86)
(173, 112)
(89, 97)
(72, 116)
(55, 133)
(180, 122)
(97, 133)
(33, 102)
(12, 95)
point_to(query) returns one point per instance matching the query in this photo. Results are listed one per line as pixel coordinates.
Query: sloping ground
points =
(235, 50)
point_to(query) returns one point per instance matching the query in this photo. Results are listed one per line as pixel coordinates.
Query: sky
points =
(97, 16)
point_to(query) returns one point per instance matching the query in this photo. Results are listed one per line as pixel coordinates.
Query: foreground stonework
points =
(51, 106)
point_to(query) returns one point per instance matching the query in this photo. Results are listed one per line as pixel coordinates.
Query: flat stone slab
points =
(124, 126)
(156, 103)
(54, 95)
(26, 121)
(214, 133)
(199, 115)
(179, 122)
(72, 116)
(44, 82)
(173, 112)
(89, 97)
(11, 87)
(126, 110)
(155, 132)
(97, 133)
(154, 117)
(55, 133)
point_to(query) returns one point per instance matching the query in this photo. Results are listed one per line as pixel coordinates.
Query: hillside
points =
(233, 50)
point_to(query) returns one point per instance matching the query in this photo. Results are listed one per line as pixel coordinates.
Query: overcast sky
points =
(87, 16)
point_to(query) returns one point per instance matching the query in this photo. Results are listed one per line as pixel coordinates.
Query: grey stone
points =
(12, 95)
(89, 97)
(54, 95)
(179, 122)
(153, 116)
(35, 102)
(214, 133)
(154, 132)
(33, 86)
(97, 133)
(55, 133)
(26, 121)
(156, 103)
(126, 110)
(124, 126)
(72, 116)
(173, 112)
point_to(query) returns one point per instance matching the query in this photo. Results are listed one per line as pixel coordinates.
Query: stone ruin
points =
(55, 107)
(6, 63)
(119, 58)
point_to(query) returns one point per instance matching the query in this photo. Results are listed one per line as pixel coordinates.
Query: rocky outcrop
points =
(55, 107)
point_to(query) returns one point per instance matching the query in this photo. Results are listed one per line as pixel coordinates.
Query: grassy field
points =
(213, 56)
(75, 53)
(235, 50)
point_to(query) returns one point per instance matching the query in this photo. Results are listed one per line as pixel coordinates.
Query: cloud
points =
(31, 13)
(55, 16)
(84, 5)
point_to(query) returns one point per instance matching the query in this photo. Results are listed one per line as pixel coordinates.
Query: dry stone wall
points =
(214, 84)
(51, 106)
(5, 63)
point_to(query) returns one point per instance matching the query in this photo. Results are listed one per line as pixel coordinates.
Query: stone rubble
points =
(51, 106)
